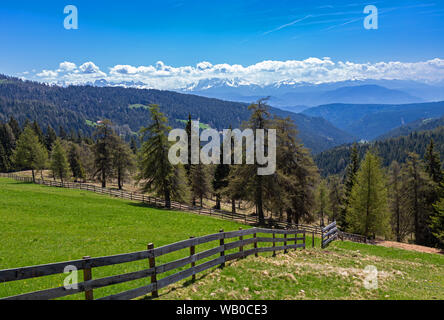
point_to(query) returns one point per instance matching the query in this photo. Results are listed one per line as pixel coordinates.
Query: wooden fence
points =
(296, 240)
(329, 233)
(154, 201)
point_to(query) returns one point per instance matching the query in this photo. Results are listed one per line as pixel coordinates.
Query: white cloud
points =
(311, 70)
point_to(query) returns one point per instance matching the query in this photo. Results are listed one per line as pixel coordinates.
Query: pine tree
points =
(75, 163)
(62, 133)
(30, 153)
(59, 162)
(104, 149)
(156, 171)
(433, 163)
(5, 165)
(368, 213)
(350, 177)
(220, 181)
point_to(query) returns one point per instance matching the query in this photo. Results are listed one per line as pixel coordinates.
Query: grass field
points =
(42, 225)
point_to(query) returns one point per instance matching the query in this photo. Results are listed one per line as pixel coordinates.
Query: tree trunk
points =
(233, 206)
(119, 179)
(201, 201)
(167, 199)
(217, 202)
(33, 176)
(259, 201)
(103, 179)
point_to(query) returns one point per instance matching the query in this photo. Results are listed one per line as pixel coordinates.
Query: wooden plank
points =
(131, 294)
(332, 231)
(240, 254)
(330, 226)
(238, 243)
(59, 267)
(82, 286)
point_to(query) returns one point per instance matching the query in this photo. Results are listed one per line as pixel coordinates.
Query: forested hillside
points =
(369, 121)
(79, 107)
(418, 125)
(335, 161)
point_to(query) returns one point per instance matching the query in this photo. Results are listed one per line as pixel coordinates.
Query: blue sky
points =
(187, 32)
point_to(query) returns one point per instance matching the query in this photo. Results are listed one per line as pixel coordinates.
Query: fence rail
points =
(297, 240)
(329, 233)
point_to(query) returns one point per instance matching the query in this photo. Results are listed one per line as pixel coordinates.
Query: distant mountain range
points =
(79, 107)
(297, 96)
(418, 126)
(369, 121)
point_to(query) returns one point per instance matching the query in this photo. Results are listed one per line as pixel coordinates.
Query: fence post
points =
(222, 253)
(313, 240)
(274, 243)
(305, 237)
(241, 248)
(87, 275)
(192, 253)
(285, 243)
(152, 262)
(255, 245)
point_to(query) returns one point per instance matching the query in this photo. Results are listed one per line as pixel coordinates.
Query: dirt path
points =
(407, 246)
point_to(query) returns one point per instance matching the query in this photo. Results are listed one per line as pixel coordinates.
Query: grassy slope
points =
(335, 273)
(42, 225)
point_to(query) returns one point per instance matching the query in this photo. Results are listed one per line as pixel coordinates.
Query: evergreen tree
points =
(156, 171)
(401, 215)
(123, 161)
(200, 182)
(15, 127)
(246, 176)
(104, 149)
(59, 162)
(295, 183)
(8, 143)
(322, 202)
(50, 138)
(433, 163)
(350, 177)
(5, 165)
(133, 145)
(420, 194)
(336, 196)
(437, 222)
(75, 163)
(220, 181)
(62, 133)
(38, 131)
(30, 154)
(367, 213)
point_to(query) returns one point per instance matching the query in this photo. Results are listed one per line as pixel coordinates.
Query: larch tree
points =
(157, 173)
(368, 213)
(437, 222)
(123, 161)
(297, 175)
(433, 163)
(200, 182)
(30, 154)
(336, 196)
(75, 163)
(402, 221)
(420, 196)
(104, 151)
(59, 162)
(322, 202)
